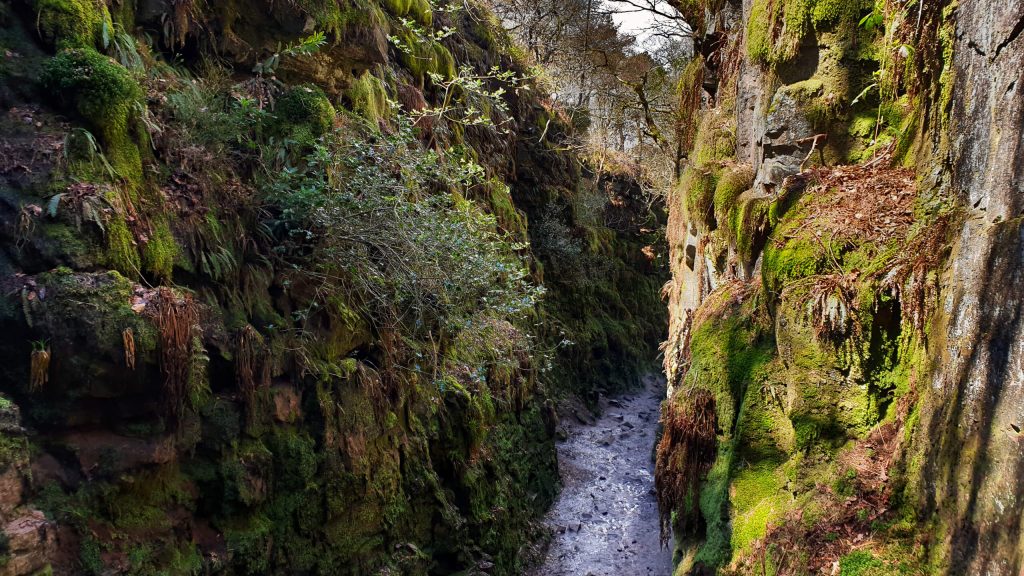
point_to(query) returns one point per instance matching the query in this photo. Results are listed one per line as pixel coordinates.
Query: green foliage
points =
(421, 52)
(380, 230)
(250, 541)
(89, 556)
(306, 46)
(74, 23)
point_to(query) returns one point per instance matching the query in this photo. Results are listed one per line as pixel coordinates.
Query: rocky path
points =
(605, 521)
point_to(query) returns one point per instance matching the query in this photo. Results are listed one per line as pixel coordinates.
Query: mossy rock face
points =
(418, 10)
(423, 59)
(73, 23)
(369, 99)
(122, 251)
(699, 185)
(106, 95)
(82, 318)
(161, 252)
(775, 30)
(825, 396)
(97, 87)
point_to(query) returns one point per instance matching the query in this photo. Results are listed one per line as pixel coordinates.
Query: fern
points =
(90, 147)
(125, 48)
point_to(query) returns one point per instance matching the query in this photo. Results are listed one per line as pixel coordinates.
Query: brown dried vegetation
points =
(685, 454)
(176, 318)
(40, 367)
(252, 368)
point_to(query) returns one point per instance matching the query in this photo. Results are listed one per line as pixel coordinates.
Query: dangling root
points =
(40, 368)
(128, 336)
(176, 319)
(252, 368)
(685, 454)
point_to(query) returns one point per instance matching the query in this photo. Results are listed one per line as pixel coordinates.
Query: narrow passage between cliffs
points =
(605, 520)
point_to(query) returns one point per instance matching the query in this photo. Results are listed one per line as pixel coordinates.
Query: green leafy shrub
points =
(383, 220)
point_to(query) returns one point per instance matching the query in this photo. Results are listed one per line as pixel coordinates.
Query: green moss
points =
(305, 106)
(13, 449)
(748, 224)
(161, 252)
(418, 10)
(715, 141)
(122, 252)
(250, 540)
(797, 258)
(106, 95)
(64, 243)
(505, 212)
(73, 23)
(96, 307)
(425, 58)
(369, 99)
(859, 563)
(699, 184)
(294, 458)
(728, 352)
(777, 28)
(775, 31)
(760, 500)
(828, 12)
(734, 181)
(245, 474)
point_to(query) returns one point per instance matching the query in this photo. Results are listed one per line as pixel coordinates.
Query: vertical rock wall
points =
(860, 326)
(969, 437)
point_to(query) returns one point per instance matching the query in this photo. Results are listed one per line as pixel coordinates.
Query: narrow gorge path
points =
(605, 520)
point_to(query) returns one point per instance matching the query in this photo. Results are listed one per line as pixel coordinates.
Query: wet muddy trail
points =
(605, 520)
